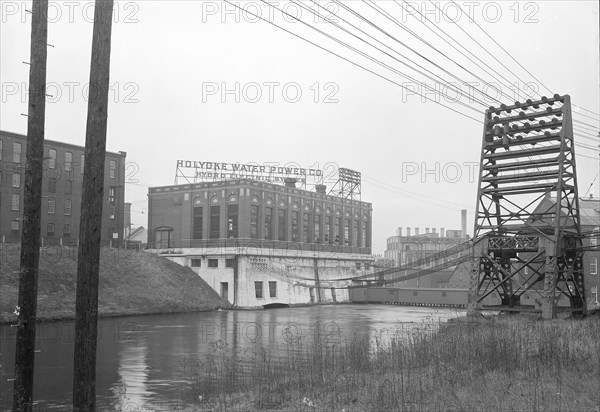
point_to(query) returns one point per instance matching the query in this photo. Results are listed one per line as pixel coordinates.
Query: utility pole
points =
(88, 257)
(32, 202)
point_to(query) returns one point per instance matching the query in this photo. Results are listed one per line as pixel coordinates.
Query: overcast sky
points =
(171, 62)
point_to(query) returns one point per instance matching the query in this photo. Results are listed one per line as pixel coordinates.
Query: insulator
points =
(519, 138)
(556, 96)
(515, 127)
(522, 114)
(506, 129)
(544, 99)
(505, 141)
(555, 120)
(542, 122)
(528, 101)
(549, 109)
(547, 133)
(496, 118)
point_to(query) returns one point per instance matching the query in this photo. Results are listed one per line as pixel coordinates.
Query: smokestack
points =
(426, 230)
(320, 189)
(399, 232)
(416, 231)
(433, 230)
(408, 231)
(442, 232)
(290, 182)
(463, 222)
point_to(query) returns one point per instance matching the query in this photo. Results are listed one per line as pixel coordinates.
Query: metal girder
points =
(527, 215)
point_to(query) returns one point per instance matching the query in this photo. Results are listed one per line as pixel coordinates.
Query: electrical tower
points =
(527, 248)
(348, 185)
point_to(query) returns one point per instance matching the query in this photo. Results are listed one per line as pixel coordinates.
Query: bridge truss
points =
(527, 234)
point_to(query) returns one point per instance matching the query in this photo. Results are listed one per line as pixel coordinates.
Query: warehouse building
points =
(61, 191)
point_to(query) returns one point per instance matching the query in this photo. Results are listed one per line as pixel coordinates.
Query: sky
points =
(203, 81)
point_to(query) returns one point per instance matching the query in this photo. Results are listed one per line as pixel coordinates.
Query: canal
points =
(146, 360)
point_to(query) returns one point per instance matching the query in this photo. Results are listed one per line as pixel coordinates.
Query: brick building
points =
(61, 191)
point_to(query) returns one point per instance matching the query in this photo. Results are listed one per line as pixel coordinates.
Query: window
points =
(282, 224)
(363, 234)
(196, 263)
(336, 230)
(51, 205)
(594, 239)
(254, 222)
(16, 152)
(358, 265)
(268, 223)
(16, 180)
(16, 201)
(327, 229)
(215, 218)
(213, 263)
(50, 229)
(272, 289)
(112, 171)
(197, 222)
(225, 290)
(294, 226)
(0, 149)
(305, 228)
(82, 163)
(346, 232)
(318, 229)
(594, 266)
(68, 161)
(111, 194)
(67, 231)
(14, 225)
(230, 263)
(51, 158)
(52, 185)
(68, 187)
(112, 211)
(67, 207)
(232, 221)
(355, 233)
(258, 290)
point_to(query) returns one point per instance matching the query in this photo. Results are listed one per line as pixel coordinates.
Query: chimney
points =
(416, 231)
(426, 230)
(408, 231)
(320, 189)
(290, 182)
(442, 232)
(433, 230)
(463, 222)
(399, 232)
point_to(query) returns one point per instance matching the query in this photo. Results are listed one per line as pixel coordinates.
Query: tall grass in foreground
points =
(506, 364)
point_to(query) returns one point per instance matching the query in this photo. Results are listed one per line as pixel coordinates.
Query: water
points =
(146, 360)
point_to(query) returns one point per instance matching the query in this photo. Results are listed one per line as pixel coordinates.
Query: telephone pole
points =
(88, 257)
(32, 202)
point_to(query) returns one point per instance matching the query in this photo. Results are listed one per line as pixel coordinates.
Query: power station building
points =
(61, 191)
(259, 243)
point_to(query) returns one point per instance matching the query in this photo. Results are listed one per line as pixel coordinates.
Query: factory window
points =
(16, 201)
(333, 295)
(294, 226)
(594, 266)
(594, 239)
(327, 229)
(268, 223)
(66, 230)
(213, 263)
(258, 290)
(318, 229)
(282, 224)
(50, 229)
(162, 238)
(16, 152)
(68, 187)
(363, 232)
(225, 290)
(112, 171)
(232, 221)
(254, 222)
(197, 228)
(82, 163)
(346, 232)
(595, 294)
(305, 228)
(51, 158)
(14, 225)
(215, 219)
(67, 207)
(16, 180)
(272, 289)
(112, 191)
(51, 205)
(415, 293)
(358, 265)
(112, 211)
(196, 263)
(230, 263)
(355, 233)
(68, 161)
(336, 230)
(0, 149)
(444, 294)
(52, 185)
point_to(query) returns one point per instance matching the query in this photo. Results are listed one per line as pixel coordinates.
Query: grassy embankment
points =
(131, 282)
(498, 364)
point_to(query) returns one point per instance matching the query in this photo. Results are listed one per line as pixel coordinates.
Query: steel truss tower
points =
(527, 238)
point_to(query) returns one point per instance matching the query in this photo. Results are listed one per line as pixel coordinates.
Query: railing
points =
(513, 242)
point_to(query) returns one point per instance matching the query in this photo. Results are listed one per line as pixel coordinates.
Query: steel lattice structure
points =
(527, 234)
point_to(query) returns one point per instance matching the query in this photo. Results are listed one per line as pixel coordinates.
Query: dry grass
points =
(501, 364)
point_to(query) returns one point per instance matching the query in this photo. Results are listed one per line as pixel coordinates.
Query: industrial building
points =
(61, 191)
(259, 243)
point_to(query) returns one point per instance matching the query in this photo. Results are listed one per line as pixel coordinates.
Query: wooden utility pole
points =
(32, 202)
(88, 257)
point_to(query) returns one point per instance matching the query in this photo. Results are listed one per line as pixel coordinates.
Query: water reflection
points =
(146, 361)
